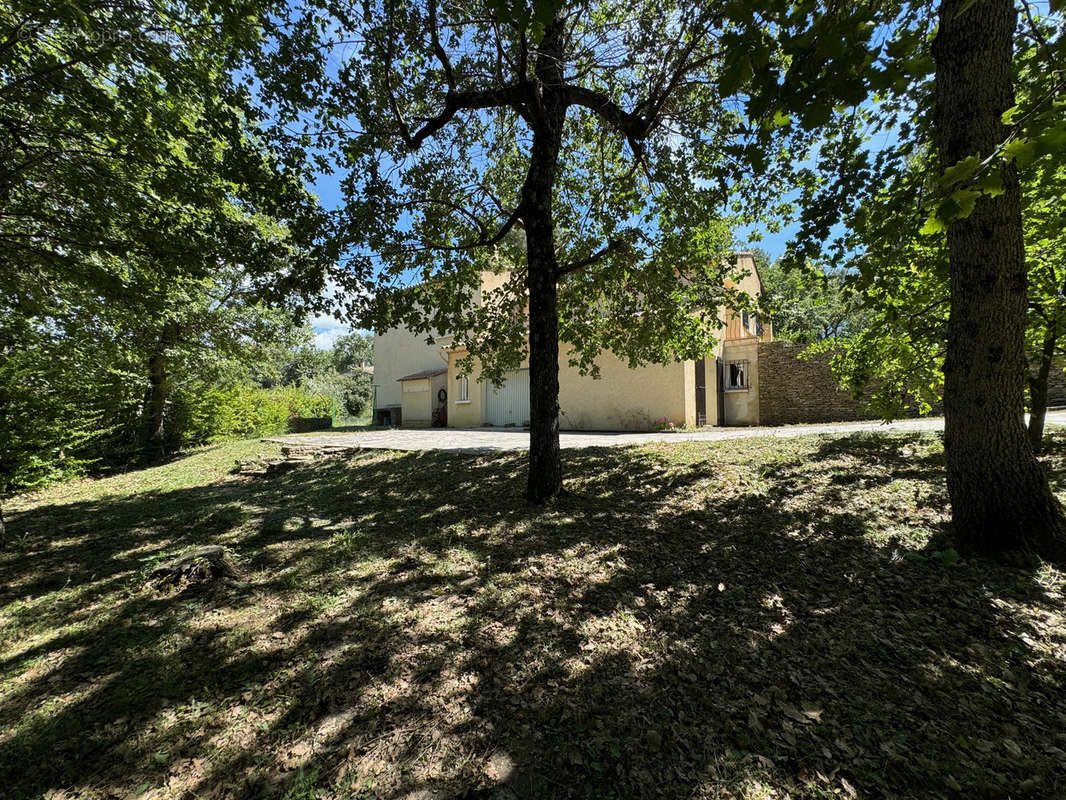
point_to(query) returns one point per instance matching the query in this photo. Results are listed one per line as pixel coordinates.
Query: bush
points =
(351, 393)
(236, 412)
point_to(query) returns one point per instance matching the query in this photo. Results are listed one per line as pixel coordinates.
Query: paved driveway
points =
(488, 439)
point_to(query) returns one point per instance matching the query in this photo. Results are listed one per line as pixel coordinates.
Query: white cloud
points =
(327, 331)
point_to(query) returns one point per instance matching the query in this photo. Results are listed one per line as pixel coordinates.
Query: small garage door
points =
(508, 405)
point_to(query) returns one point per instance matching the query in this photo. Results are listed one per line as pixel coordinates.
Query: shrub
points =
(351, 393)
(235, 412)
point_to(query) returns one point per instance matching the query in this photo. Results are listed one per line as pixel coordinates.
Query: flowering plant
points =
(665, 424)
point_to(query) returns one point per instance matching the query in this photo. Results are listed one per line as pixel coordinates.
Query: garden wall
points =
(794, 390)
(1056, 383)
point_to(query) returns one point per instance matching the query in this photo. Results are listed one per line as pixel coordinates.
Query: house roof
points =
(426, 373)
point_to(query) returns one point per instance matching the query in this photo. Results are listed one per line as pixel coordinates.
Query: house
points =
(418, 383)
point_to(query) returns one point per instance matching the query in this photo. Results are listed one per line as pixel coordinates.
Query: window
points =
(464, 390)
(737, 375)
(747, 321)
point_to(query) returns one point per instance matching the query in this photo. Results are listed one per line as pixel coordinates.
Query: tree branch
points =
(453, 103)
(438, 49)
(632, 125)
(612, 246)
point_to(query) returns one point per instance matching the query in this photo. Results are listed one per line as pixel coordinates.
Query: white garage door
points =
(509, 405)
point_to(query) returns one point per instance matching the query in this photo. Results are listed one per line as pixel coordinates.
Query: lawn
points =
(758, 618)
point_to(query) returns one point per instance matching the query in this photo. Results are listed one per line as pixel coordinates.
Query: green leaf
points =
(991, 182)
(933, 225)
(737, 72)
(965, 200)
(1021, 150)
(1050, 141)
(949, 556)
(960, 172)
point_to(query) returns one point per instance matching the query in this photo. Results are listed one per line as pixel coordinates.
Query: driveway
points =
(489, 439)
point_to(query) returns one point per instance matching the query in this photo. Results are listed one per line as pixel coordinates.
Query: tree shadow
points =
(692, 620)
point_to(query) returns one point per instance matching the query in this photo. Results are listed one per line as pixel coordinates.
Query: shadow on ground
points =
(754, 619)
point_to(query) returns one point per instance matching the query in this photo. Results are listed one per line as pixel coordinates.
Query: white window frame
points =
(462, 394)
(745, 375)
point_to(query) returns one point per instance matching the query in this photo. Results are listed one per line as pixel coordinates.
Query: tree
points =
(999, 494)
(1000, 497)
(1044, 187)
(808, 305)
(898, 267)
(124, 135)
(586, 144)
(352, 352)
(144, 222)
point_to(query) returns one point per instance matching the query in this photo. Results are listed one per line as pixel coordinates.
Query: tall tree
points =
(143, 218)
(999, 493)
(353, 351)
(809, 305)
(1001, 499)
(587, 145)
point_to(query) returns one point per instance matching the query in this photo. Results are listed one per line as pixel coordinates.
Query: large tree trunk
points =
(1000, 498)
(1038, 388)
(545, 467)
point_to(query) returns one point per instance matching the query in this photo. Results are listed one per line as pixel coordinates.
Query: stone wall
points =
(1056, 383)
(794, 390)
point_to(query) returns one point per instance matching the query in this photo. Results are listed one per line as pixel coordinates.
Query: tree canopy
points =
(589, 149)
(146, 225)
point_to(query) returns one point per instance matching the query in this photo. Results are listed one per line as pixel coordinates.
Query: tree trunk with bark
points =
(1038, 389)
(159, 386)
(1000, 498)
(545, 479)
(158, 394)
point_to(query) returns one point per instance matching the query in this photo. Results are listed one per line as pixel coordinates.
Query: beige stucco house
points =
(419, 384)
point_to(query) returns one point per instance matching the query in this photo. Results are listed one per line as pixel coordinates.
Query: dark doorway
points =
(701, 392)
(720, 371)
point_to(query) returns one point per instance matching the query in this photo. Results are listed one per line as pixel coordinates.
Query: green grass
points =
(757, 618)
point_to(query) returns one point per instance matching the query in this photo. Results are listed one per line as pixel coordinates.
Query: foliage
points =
(147, 230)
(352, 393)
(127, 139)
(808, 304)
(743, 619)
(46, 394)
(336, 372)
(304, 363)
(352, 351)
(900, 275)
(212, 413)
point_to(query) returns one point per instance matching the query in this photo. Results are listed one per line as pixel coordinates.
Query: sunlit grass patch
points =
(756, 618)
